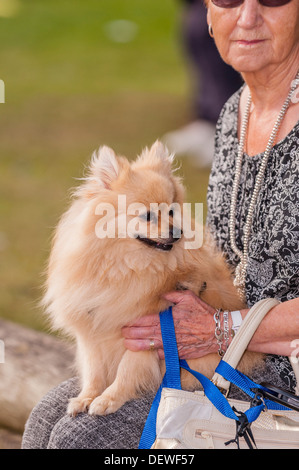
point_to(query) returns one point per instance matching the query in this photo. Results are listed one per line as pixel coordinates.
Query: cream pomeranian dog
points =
(97, 284)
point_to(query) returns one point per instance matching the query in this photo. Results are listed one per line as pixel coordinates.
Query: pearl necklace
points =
(241, 269)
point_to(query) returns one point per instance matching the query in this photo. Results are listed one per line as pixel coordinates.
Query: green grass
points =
(70, 89)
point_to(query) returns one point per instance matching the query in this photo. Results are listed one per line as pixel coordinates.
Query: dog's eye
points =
(148, 216)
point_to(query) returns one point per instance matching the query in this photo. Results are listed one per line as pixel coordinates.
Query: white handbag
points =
(207, 419)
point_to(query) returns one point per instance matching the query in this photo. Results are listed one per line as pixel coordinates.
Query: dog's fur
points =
(96, 286)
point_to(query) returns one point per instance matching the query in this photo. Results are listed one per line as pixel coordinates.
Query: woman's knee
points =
(120, 430)
(46, 414)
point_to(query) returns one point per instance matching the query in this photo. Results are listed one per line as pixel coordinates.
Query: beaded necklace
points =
(241, 269)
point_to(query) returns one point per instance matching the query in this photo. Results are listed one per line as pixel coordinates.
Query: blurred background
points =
(78, 74)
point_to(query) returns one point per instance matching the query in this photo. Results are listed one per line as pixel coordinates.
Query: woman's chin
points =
(247, 65)
(250, 58)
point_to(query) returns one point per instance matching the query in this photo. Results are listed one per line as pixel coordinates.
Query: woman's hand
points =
(194, 327)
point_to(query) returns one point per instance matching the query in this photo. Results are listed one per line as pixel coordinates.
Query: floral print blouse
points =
(273, 268)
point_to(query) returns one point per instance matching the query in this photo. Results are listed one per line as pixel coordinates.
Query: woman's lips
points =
(244, 42)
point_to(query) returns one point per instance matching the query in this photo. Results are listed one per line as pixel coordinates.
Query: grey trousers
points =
(49, 427)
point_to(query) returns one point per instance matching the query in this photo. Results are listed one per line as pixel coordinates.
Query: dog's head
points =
(140, 201)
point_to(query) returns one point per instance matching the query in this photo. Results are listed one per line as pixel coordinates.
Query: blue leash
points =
(172, 379)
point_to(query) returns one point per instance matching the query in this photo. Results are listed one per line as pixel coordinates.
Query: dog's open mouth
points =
(159, 245)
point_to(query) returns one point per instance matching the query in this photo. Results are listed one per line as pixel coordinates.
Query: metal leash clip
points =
(258, 399)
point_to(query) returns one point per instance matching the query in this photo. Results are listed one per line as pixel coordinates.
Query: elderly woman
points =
(252, 214)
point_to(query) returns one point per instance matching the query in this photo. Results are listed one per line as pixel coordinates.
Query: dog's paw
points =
(78, 405)
(104, 405)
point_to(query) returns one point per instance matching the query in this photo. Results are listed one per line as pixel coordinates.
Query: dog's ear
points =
(101, 172)
(157, 156)
(158, 149)
(104, 167)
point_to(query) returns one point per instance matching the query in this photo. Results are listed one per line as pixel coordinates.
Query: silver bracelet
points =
(218, 331)
(219, 334)
(226, 328)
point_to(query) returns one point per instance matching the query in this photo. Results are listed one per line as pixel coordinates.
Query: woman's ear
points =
(208, 13)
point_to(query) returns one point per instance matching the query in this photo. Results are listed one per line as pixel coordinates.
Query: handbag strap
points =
(243, 337)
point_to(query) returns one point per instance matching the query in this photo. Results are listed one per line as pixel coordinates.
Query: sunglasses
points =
(236, 3)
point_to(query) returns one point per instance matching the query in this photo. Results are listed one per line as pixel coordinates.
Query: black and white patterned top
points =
(273, 268)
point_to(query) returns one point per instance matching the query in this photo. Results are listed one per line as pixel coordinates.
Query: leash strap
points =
(173, 370)
(172, 379)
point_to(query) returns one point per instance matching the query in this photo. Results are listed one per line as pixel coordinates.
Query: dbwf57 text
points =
(171, 459)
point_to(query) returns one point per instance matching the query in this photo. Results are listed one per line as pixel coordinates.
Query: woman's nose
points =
(250, 14)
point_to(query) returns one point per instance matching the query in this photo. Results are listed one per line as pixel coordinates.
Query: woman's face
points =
(251, 36)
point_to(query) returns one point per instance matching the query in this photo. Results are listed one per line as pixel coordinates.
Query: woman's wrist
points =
(227, 324)
(273, 336)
